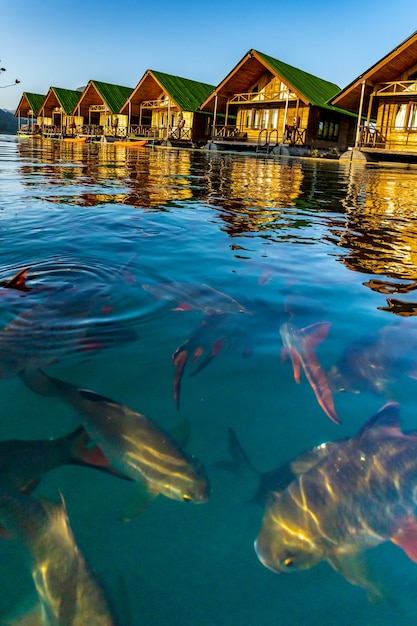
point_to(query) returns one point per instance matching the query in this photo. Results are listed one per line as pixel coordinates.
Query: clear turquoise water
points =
(309, 235)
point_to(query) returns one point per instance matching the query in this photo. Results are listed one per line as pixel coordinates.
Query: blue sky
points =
(67, 44)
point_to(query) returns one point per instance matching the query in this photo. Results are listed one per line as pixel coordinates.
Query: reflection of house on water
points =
(377, 234)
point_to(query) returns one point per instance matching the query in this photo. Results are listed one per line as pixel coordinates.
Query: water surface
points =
(317, 240)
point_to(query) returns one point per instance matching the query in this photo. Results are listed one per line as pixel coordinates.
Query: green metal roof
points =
(315, 90)
(188, 94)
(67, 98)
(114, 96)
(35, 101)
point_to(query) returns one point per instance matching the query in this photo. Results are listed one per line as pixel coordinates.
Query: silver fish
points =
(68, 591)
(361, 494)
(195, 296)
(133, 443)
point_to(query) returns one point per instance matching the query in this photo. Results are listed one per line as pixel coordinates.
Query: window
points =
(274, 118)
(406, 117)
(329, 126)
(265, 118)
(257, 119)
(248, 118)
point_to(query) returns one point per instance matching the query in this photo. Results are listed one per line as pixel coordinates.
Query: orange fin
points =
(406, 537)
(18, 281)
(296, 361)
(179, 358)
(183, 306)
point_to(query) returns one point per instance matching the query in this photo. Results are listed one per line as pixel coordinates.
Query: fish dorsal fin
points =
(237, 452)
(307, 460)
(385, 422)
(314, 334)
(18, 281)
(406, 537)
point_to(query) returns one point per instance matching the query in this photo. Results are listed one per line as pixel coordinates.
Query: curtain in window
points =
(400, 117)
(412, 119)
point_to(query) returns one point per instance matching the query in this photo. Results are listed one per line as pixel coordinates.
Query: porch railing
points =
(292, 134)
(388, 138)
(260, 96)
(229, 132)
(396, 87)
(161, 132)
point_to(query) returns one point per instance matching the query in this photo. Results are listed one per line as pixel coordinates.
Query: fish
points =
(269, 481)
(375, 361)
(300, 344)
(203, 345)
(24, 462)
(69, 593)
(195, 296)
(134, 444)
(45, 332)
(218, 333)
(360, 494)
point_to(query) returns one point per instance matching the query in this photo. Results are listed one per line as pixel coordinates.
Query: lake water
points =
(279, 238)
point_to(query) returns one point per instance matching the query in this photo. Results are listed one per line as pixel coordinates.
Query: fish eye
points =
(186, 498)
(289, 561)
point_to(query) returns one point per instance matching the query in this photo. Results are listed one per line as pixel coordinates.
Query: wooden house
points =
(265, 103)
(166, 108)
(27, 112)
(55, 115)
(98, 111)
(385, 99)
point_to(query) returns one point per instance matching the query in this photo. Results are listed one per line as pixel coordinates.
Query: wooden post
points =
(358, 126)
(285, 115)
(214, 117)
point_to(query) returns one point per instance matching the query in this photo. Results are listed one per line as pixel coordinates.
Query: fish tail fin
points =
(83, 451)
(238, 460)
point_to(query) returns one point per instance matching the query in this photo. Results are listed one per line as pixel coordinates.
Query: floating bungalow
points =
(27, 113)
(97, 112)
(165, 108)
(55, 117)
(385, 99)
(266, 105)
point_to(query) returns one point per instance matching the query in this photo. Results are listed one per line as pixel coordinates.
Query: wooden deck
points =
(384, 154)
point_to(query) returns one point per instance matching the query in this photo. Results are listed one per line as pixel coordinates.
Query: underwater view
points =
(208, 370)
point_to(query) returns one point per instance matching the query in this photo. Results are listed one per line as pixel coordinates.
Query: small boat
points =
(76, 139)
(139, 143)
(29, 135)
